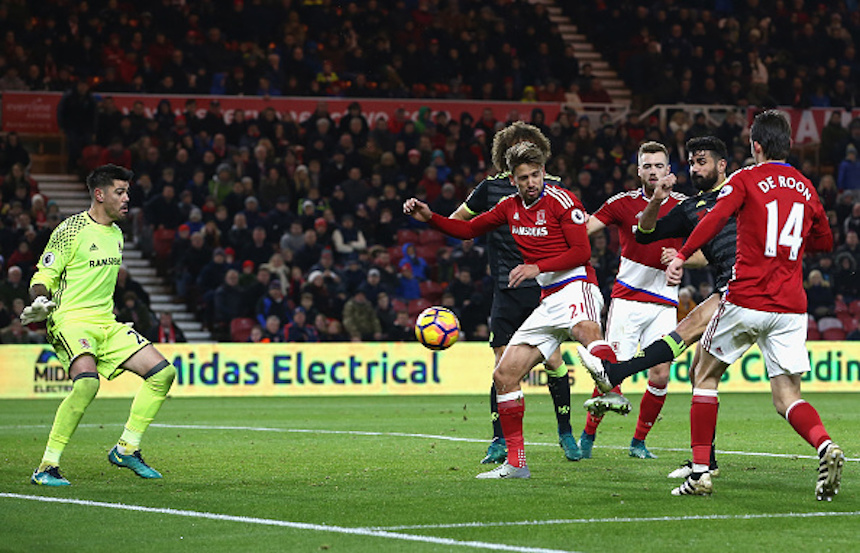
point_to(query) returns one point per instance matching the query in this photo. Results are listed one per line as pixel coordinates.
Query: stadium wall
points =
(207, 370)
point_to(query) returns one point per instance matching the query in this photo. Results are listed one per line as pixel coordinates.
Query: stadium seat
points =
(840, 307)
(240, 329)
(405, 235)
(396, 255)
(90, 156)
(854, 308)
(431, 237)
(427, 252)
(162, 242)
(432, 291)
(416, 306)
(398, 305)
(812, 334)
(833, 334)
(849, 323)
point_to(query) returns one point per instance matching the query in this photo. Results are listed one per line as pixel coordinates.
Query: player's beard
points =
(704, 183)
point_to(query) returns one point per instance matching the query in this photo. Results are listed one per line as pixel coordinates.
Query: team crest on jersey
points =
(725, 191)
(85, 343)
(577, 216)
(48, 259)
(541, 217)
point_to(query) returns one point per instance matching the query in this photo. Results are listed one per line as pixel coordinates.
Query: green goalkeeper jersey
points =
(79, 268)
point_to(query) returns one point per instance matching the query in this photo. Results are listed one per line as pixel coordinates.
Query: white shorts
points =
(631, 324)
(781, 337)
(550, 323)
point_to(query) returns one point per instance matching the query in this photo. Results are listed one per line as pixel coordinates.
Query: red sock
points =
(602, 350)
(805, 420)
(512, 407)
(591, 421)
(703, 424)
(649, 409)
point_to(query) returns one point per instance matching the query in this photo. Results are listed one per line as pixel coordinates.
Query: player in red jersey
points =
(779, 216)
(548, 224)
(644, 305)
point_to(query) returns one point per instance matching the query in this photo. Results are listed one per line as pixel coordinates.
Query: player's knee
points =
(161, 376)
(86, 385)
(659, 374)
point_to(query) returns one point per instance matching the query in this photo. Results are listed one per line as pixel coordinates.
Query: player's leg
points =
(670, 346)
(85, 386)
(784, 352)
(158, 374)
(516, 362)
(654, 321)
(559, 389)
(497, 451)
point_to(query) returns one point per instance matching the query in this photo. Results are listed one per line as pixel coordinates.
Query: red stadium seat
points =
(416, 306)
(428, 253)
(431, 237)
(240, 329)
(812, 334)
(432, 291)
(405, 235)
(840, 307)
(162, 242)
(854, 308)
(849, 323)
(398, 305)
(833, 334)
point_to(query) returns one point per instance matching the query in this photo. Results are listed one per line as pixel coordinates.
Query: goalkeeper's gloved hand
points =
(38, 311)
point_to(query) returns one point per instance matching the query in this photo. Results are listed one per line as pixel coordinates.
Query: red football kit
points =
(779, 216)
(640, 275)
(550, 233)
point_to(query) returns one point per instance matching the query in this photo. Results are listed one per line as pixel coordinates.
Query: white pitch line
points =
(613, 520)
(287, 524)
(423, 436)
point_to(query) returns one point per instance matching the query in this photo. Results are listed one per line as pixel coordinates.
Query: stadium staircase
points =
(72, 196)
(586, 53)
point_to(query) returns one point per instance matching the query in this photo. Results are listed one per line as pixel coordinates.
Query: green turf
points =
(349, 480)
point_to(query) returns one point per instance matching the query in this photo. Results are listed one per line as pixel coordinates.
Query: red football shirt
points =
(550, 233)
(779, 216)
(641, 275)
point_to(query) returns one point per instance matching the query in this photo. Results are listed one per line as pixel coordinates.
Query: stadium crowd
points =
(280, 230)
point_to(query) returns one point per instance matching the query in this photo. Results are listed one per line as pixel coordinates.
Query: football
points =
(437, 328)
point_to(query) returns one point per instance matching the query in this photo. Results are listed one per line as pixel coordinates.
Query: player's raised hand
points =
(418, 209)
(664, 186)
(675, 271)
(522, 272)
(37, 311)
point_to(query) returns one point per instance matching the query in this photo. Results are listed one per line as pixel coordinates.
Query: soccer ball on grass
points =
(437, 328)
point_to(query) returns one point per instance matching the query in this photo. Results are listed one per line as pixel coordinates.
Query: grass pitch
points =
(397, 474)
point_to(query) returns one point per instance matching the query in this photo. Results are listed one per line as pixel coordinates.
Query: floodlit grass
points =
(351, 467)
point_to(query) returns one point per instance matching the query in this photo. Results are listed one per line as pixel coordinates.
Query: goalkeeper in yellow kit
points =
(72, 291)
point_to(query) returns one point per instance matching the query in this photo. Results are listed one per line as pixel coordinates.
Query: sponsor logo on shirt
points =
(529, 231)
(105, 262)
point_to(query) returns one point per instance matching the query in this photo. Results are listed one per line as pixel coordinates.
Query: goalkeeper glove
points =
(38, 311)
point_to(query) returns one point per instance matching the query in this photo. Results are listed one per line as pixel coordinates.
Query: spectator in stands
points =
(852, 221)
(849, 170)
(76, 117)
(166, 332)
(14, 286)
(819, 296)
(132, 310)
(125, 283)
(846, 281)
(851, 246)
(359, 319)
(407, 286)
(273, 330)
(417, 265)
(299, 330)
(226, 305)
(348, 241)
(162, 211)
(273, 303)
(258, 250)
(309, 253)
(403, 329)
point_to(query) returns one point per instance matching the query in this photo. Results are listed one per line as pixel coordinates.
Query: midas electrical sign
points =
(33, 371)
